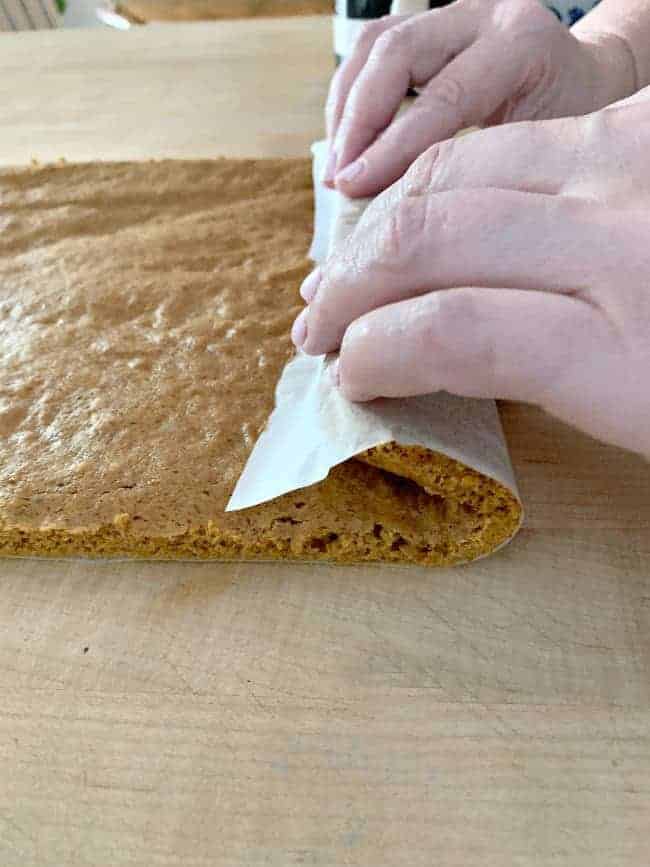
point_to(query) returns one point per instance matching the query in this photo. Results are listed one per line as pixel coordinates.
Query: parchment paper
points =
(313, 427)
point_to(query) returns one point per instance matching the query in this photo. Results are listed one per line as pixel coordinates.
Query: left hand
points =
(513, 263)
(477, 63)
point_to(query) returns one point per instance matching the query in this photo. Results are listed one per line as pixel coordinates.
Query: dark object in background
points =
(365, 8)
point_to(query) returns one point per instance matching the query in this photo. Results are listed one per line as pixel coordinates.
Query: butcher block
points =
(213, 715)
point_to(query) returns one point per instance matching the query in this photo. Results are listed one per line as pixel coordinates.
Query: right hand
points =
(512, 263)
(476, 62)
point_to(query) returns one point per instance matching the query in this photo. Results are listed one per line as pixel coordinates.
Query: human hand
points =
(512, 263)
(476, 62)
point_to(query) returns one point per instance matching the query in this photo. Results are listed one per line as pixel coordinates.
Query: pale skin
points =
(476, 62)
(511, 263)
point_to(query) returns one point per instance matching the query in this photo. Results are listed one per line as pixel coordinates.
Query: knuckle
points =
(370, 32)
(357, 335)
(403, 229)
(595, 132)
(419, 178)
(447, 151)
(418, 225)
(392, 42)
(431, 170)
(448, 91)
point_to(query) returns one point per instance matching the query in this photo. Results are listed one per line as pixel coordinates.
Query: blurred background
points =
(40, 14)
(81, 13)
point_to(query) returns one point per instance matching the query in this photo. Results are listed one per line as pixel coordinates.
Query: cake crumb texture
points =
(145, 312)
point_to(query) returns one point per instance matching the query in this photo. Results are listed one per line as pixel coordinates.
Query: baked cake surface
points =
(141, 11)
(145, 311)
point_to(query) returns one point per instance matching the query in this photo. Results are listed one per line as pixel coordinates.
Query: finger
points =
(347, 73)
(503, 343)
(546, 158)
(494, 238)
(465, 93)
(410, 53)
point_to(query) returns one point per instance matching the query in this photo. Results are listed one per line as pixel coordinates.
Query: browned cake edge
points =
(457, 491)
(495, 510)
(435, 511)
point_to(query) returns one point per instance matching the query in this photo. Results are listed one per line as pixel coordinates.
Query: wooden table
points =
(223, 715)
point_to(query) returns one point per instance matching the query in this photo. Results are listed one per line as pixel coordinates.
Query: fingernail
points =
(299, 330)
(310, 285)
(330, 167)
(351, 172)
(335, 376)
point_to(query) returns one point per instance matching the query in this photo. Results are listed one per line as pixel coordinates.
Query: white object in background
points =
(408, 7)
(326, 203)
(346, 30)
(107, 14)
(81, 13)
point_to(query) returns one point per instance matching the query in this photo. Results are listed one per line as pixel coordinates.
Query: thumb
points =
(503, 343)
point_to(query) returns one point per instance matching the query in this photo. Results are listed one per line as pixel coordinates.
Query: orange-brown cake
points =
(145, 312)
(141, 11)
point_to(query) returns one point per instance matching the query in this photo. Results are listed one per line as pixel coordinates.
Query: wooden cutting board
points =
(218, 715)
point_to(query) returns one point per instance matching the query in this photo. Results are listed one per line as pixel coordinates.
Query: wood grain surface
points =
(230, 88)
(186, 715)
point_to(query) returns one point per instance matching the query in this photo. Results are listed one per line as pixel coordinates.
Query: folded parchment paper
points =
(313, 428)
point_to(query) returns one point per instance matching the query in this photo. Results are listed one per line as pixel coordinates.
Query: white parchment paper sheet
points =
(313, 427)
